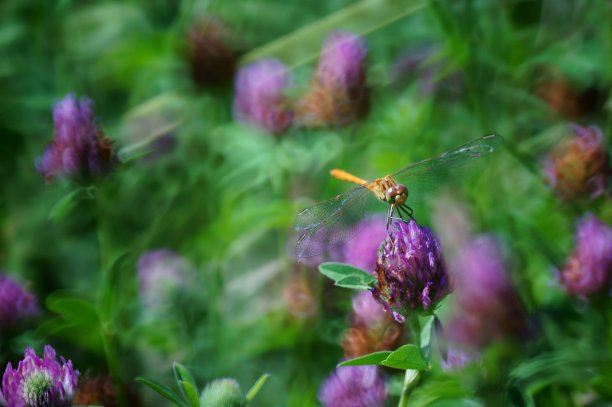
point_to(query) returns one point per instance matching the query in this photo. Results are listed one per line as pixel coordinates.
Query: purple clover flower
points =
(367, 311)
(589, 268)
(259, 98)
(361, 251)
(372, 329)
(79, 149)
(354, 386)
(39, 382)
(488, 307)
(16, 303)
(161, 272)
(410, 269)
(339, 94)
(578, 166)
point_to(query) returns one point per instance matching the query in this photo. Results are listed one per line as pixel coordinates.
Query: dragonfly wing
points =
(325, 226)
(317, 214)
(426, 176)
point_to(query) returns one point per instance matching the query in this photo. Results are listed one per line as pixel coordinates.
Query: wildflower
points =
(79, 148)
(16, 303)
(372, 329)
(259, 98)
(39, 382)
(488, 307)
(410, 269)
(213, 61)
(161, 273)
(361, 250)
(354, 386)
(222, 393)
(339, 94)
(578, 166)
(589, 268)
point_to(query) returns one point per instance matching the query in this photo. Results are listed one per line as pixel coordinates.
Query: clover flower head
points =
(39, 382)
(16, 303)
(411, 273)
(354, 386)
(589, 268)
(79, 148)
(259, 96)
(578, 166)
(339, 94)
(488, 307)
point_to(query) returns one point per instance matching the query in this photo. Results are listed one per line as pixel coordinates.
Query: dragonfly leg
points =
(406, 210)
(389, 215)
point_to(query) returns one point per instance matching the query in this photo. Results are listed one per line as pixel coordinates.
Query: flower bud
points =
(222, 393)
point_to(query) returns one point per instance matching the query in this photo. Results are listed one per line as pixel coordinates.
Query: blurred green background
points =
(225, 197)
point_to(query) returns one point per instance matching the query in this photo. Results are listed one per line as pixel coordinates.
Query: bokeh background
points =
(214, 196)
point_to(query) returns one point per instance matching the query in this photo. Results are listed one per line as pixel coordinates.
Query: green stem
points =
(412, 376)
(106, 331)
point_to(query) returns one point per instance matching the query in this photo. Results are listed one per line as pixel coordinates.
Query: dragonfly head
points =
(397, 194)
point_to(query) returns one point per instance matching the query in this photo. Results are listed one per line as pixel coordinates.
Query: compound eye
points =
(391, 194)
(402, 190)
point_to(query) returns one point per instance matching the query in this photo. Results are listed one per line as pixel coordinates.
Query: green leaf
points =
(162, 390)
(254, 390)
(347, 276)
(441, 342)
(64, 205)
(74, 310)
(108, 298)
(375, 358)
(186, 383)
(427, 336)
(406, 357)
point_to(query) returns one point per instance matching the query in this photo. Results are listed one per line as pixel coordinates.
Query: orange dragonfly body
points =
(323, 226)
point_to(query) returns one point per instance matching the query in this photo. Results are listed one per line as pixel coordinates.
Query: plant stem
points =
(107, 332)
(412, 376)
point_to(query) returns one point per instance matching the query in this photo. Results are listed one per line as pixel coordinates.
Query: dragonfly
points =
(324, 225)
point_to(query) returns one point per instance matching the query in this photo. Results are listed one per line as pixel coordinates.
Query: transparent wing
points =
(426, 176)
(325, 226)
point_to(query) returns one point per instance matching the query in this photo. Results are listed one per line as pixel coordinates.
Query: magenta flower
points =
(578, 166)
(259, 98)
(372, 329)
(354, 386)
(362, 250)
(16, 303)
(589, 268)
(161, 273)
(38, 382)
(488, 307)
(79, 149)
(410, 269)
(339, 94)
